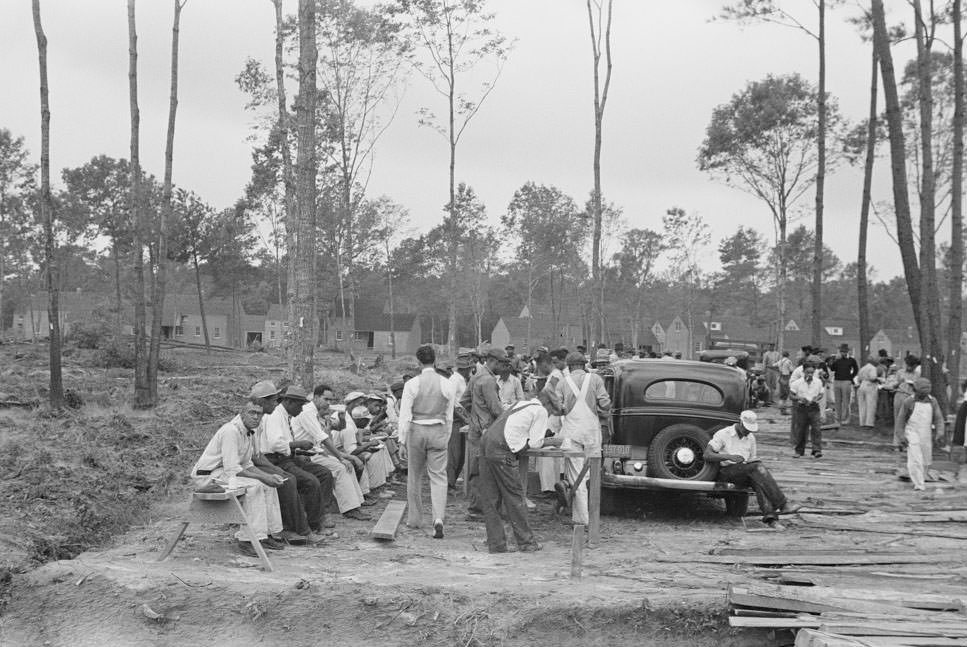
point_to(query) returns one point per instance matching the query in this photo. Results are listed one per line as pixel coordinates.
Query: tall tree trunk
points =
(862, 284)
(118, 303)
(901, 197)
(304, 255)
(289, 184)
(600, 99)
(392, 302)
(817, 286)
(452, 215)
(931, 334)
(201, 301)
(956, 287)
(142, 393)
(782, 274)
(159, 284)
(47, 215)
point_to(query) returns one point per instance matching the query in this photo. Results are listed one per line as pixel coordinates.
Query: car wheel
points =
(737, 505)
(677, 452)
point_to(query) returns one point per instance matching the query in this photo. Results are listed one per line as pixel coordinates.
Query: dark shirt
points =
(844, 368)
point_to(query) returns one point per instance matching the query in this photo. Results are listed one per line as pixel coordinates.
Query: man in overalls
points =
(583, 398)
(918, 422)
(503, 445)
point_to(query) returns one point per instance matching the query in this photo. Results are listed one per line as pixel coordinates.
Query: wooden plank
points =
(824, 596)
(769, 559)
(816, 638)
(775, 623)
(577, 551)
(777, 604)
(389, 521)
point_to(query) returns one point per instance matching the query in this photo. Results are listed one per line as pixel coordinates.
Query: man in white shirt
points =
(426, 417)
(734, 449)
(807, 394)
(307, 426)
(509, 387)
(227, 463)
(503, 444)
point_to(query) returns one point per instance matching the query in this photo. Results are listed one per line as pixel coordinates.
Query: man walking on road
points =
(845, 369)
(426, 418)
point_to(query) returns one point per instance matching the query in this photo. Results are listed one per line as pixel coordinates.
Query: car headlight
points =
(638, 465)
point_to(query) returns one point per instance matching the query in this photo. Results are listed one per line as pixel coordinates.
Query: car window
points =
(683, 391)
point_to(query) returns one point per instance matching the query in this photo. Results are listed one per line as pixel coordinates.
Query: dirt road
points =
(650, 581)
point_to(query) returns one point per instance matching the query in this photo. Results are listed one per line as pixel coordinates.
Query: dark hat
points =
(496, 353)
(844, 347)
(575, 358)
(295, 393)
(509, 347)
(396, 387)
(464, 361)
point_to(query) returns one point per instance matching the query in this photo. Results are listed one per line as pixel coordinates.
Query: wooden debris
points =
(776, 558)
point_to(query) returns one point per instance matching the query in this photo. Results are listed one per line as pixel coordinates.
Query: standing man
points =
(844, 369)
(481, 399)
(550, 469)
(584, 400)
(279, 447)
(770, 360)
(509, 387)
(457, 447)
(807, 393)
(867, 392)
(734, 449)
(784, 368)
(918, 422)
(503, 445)
(426, 417)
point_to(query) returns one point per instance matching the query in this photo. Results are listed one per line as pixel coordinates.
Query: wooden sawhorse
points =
(217, 507)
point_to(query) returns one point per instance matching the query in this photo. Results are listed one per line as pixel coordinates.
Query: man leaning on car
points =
(734, 448)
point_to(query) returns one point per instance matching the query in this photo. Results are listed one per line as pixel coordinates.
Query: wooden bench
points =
(389, 521)
(217, 507)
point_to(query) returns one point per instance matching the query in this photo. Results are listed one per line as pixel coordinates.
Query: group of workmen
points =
(299, 454)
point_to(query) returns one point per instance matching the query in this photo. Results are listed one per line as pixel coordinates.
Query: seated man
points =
(379, 465)
(307, 426)
(761, 393)
(734, 448)
(227, 463)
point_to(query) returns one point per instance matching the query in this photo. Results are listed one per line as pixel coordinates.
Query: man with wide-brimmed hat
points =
(734, 449)
(314, 482)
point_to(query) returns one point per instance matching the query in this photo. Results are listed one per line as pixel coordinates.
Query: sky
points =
(672, 66)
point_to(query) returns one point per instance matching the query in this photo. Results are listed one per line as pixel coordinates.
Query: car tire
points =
(737, 505)
(667, 449)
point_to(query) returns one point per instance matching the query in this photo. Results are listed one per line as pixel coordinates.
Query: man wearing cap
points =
(380, 423)
(426, 418)
(279, 447)
(457, 446)
(734, 449)
(346, 437)
(807, 394)
(503, 445)
(844, 369)
(515, 361)
(583, 401)
(306, 426)
(227, 463)
(482, 400)
(294, 522)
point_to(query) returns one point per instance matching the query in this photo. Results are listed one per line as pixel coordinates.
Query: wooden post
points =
(577, 551)
(594, 500)
(170, 546)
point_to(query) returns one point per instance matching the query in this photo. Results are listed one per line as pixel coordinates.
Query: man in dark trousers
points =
(457, 447)
(807, 392)
(503, 445)
(482, 401)
(277, 444)
(845, 369)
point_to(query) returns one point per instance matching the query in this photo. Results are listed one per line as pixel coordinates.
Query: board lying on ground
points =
(389, 521)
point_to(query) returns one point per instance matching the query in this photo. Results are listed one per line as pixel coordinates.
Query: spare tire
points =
(677, 452)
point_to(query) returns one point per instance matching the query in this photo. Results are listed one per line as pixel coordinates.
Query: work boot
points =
(357, 514)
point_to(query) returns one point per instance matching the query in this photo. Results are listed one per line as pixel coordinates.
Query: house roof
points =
(69, 301)
(739, 329)
(187, 304)
(276, 312)
(539, 327)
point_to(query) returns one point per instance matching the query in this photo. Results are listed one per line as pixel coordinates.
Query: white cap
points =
(749, 420)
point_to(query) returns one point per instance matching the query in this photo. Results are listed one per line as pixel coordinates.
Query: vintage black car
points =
(663, 415)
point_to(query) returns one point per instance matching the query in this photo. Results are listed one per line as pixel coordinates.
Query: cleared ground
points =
(649, 582)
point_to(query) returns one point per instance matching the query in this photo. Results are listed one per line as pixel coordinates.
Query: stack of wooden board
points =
(845, 617)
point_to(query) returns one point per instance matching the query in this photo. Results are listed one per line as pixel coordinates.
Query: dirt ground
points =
(646, 583)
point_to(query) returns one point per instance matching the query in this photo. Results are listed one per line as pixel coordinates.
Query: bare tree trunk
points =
(392, 303)
(454, 230)
(931, 334)
(47, 215)
(288, 180)
(119, 304)
(304, 254)
(817, 286)
(142, 393)
(781, 277)
(201, 301)
(862, 284)
(600, 99)
(159, 284)
(955, 321)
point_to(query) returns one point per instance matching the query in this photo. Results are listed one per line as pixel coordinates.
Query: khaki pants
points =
(426, 450)
(579, 504)
(345, 486)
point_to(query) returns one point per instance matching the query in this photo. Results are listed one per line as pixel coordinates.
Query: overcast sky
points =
(672, 66)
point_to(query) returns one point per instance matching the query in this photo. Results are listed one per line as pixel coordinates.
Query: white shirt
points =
(459, 385)
(276, 433)
(229, 449)
(727, 441)
(525, 427)
(306, 425)
(411, 390)
(811, 391)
